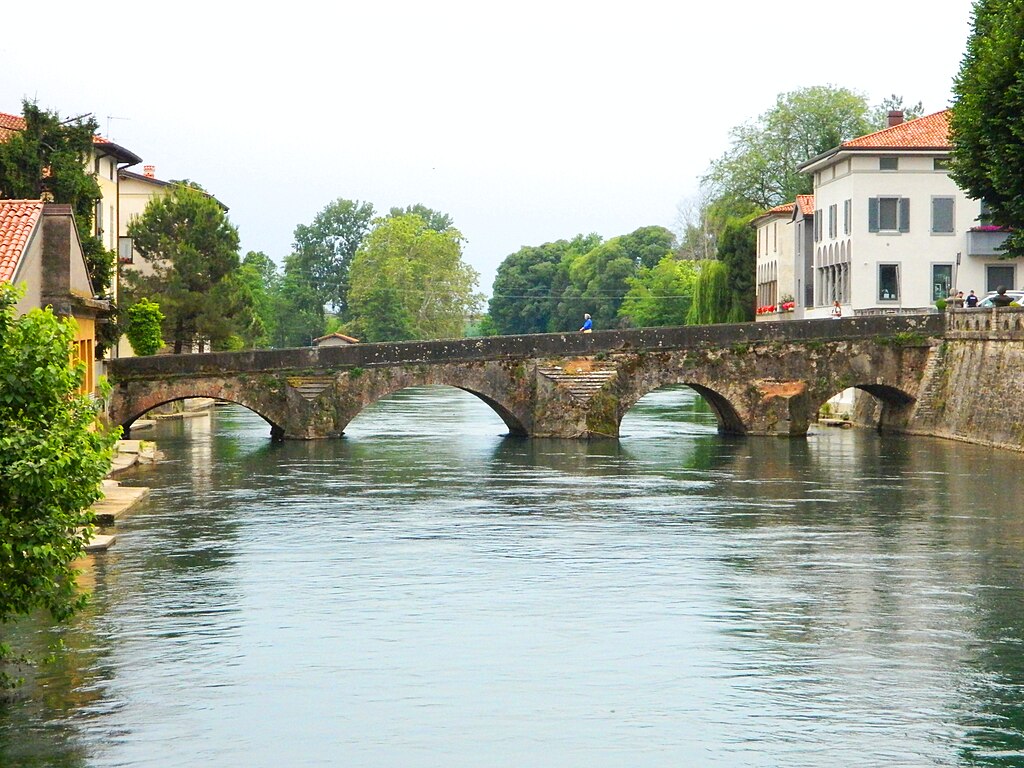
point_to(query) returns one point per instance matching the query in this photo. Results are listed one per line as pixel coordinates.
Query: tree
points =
(712, 299)
(143, 331)
(737, 250)
(255, 294)
(409, 281)
(761, 165)
(47, 160)
(988, 145)
(529, 285)
(299, 310)
(53, 456)
(660, 295)
(323, 251)
(436, 220)
(193, 248)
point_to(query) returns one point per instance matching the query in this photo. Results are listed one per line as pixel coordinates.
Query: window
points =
(832, 223)
(999, 275)
(99, 218)
(888, 163)
(888, 282)
(817, 226)
(847, 216)
(942, 216)
(96, 166)
(942, 280)
(889, 214)
(940, 163)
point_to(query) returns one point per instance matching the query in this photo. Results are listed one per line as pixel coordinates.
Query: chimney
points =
(895, 117)
(56, 224)
(149, 171)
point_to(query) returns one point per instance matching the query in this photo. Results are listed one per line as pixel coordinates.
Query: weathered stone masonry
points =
(759, 378)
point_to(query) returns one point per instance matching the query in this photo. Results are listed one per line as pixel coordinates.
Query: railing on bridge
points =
(1004, 323)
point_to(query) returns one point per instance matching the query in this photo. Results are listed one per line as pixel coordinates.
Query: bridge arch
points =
(126, 410)
(511, 420)
(493, 382)
(730, 422)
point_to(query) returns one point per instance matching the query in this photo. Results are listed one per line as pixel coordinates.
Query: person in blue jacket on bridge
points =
(588, 324)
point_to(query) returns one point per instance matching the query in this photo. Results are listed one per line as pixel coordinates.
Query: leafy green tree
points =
(53, 457)
(409, 281)
(48, 160)
(660, 295)
(530, 283)
(143, 331)
(436, 220)
(601, 279)
(761, 163)
(193, 248)
(647, 246)
(988, 144)
(323, 251)
(712, 297)
(256, 288)
(299, 315)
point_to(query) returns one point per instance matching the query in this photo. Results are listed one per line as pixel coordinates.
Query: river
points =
(427, 592)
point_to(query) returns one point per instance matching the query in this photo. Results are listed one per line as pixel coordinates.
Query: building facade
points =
(892, 231)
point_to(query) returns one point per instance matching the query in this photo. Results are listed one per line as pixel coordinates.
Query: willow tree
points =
(712, 296)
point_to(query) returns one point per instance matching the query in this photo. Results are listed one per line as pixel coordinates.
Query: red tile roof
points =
(928, 132)
(806, 203)
(9, 124)
(784, 208)
(17, 220)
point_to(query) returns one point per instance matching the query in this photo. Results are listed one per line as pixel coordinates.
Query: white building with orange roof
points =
(892, 231)
(775, 283)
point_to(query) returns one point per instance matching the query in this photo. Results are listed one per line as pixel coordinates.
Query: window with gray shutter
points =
(888, 163)
(904, 214)
(847, 216)
(942, 215)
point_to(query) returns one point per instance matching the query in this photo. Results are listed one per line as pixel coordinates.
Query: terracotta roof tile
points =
(784, 208)
(806, 203)
(930, 131)
(9, 124)
(17, 220)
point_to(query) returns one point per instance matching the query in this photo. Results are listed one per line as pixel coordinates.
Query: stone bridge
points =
(760, 378)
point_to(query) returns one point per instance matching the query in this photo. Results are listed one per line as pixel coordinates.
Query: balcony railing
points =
(985, 242)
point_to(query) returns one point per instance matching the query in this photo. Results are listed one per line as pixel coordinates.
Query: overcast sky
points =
(526, 122)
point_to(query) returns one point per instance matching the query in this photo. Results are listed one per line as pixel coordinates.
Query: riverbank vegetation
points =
(54, 454)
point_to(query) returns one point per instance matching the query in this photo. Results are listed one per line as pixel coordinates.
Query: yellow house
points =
(39, 248)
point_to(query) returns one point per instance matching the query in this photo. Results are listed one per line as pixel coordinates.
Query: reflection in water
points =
(427, 591)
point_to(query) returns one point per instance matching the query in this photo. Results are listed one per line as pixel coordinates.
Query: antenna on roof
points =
(113, 117)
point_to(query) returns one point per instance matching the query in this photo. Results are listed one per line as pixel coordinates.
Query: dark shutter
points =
(904, 214)
(873, 214)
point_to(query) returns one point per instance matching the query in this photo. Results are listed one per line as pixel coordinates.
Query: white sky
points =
(526, 122)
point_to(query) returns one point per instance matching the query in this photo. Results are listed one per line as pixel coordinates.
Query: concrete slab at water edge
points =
(117, 499)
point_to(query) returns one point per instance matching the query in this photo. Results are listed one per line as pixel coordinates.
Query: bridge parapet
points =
(998, 323)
